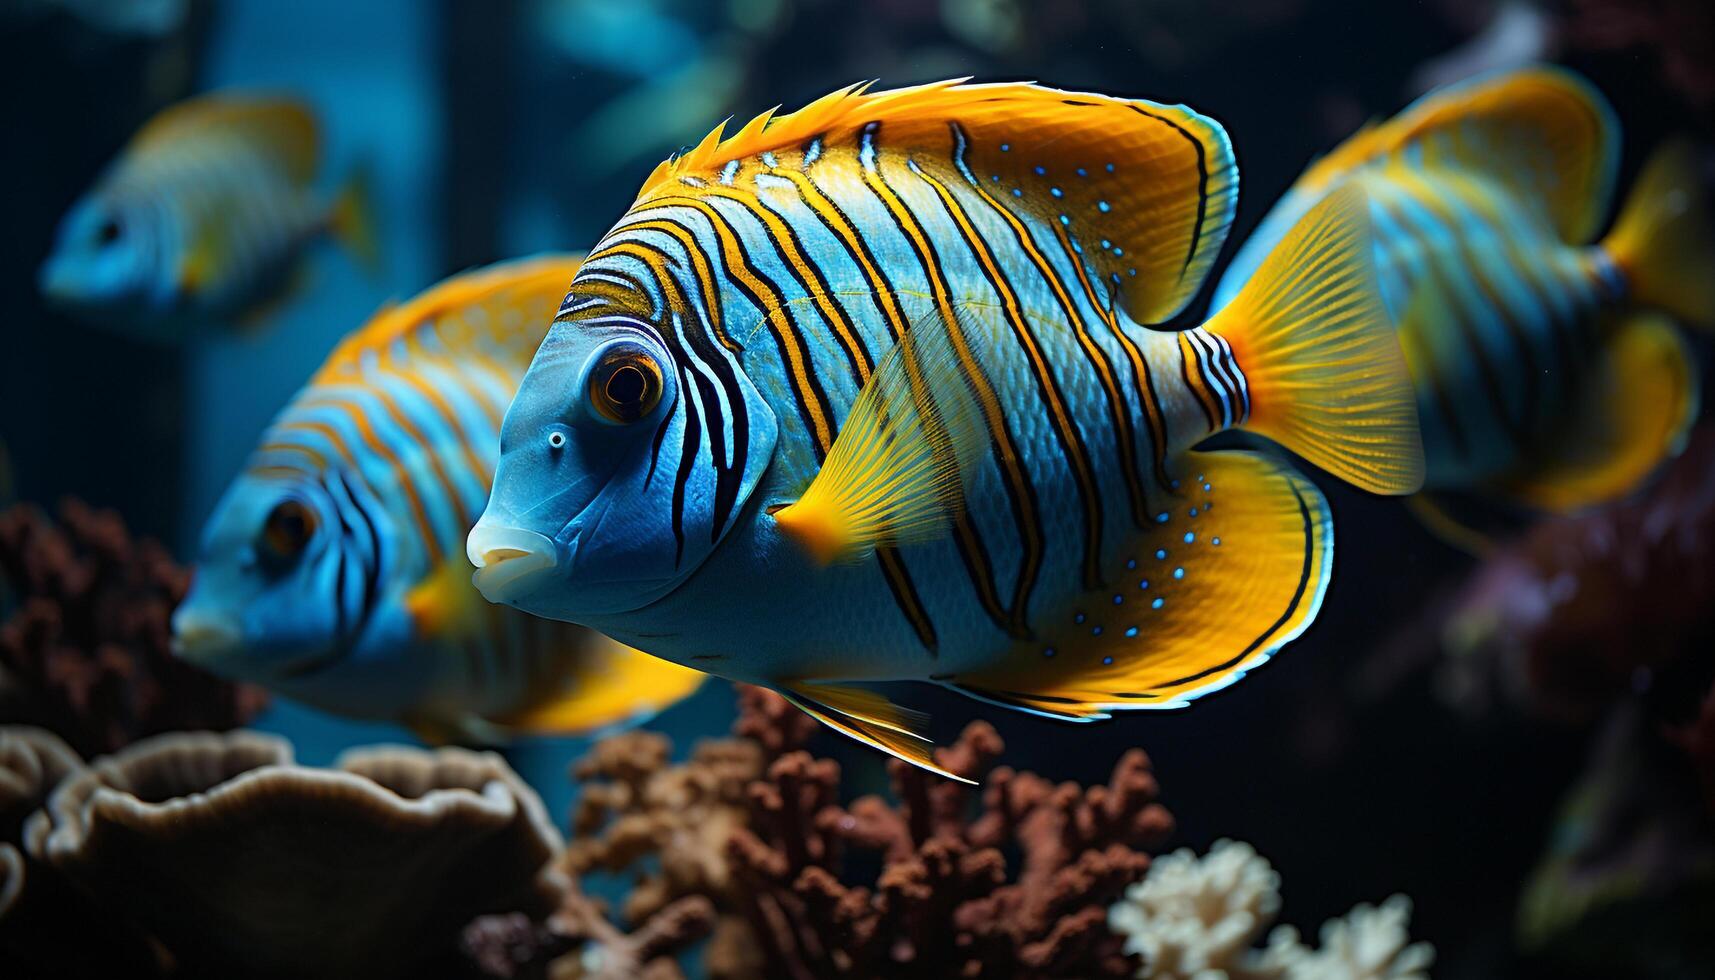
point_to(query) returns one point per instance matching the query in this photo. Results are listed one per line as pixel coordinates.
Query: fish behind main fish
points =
(203, 219)
(332, 572)
(871, 392)
(1547, 368)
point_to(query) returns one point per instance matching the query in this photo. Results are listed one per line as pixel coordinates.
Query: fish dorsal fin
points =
(502, 309)
(1146, 190)
(285, 126)
(1544, 132)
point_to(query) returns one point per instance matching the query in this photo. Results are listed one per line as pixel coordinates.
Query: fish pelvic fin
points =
(1634, 413)
(1324, 369)
(871, 719)
(897, 471)
(351, 220)
(1662, 241)
(1191, 603)
(612, 687)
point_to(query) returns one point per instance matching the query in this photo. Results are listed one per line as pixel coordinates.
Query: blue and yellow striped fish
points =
(871, 392)
(332, 569)
(202, 219)
(1545, 372)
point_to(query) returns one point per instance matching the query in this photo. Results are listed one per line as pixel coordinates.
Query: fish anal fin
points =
(1543, 131)
(1632, 415)
(871, 719)
(612, 687)
(1234, 572)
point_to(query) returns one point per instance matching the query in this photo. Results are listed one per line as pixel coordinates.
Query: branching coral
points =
(1201, 918)
(1012, 880)
(85, 652)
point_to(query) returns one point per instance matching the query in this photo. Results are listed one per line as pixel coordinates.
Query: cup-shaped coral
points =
(242, 863)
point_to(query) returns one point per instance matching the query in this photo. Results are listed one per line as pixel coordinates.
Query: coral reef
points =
(85, 651)
(241, 863)
(1201, 918)
(1010, 880)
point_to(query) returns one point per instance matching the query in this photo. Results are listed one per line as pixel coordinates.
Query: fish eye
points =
(287, 531)
(109, 232)
(625, 384)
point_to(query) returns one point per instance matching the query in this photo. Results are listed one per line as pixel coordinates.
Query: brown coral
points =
(86, 649)
(242, 863)
(1012, 880)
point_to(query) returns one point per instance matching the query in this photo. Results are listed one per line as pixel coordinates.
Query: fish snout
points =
(510, 561)
(202, 639)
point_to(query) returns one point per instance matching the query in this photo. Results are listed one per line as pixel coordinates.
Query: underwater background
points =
(1541, 786)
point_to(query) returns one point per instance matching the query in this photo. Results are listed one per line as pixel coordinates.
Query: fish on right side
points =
(1548, 373)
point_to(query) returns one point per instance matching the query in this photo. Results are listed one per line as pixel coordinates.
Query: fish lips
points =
(512, 563)
(204, 639)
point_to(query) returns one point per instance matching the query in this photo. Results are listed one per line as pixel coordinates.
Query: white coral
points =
(1200, 919)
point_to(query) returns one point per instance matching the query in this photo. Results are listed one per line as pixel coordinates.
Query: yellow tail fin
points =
(352, 221)
(1325, 372)
(612, 687)
(1662, 242)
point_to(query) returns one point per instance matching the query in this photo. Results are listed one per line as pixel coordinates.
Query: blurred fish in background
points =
(1547, 373)
(202, 221)
(121, 18)
(333, 570)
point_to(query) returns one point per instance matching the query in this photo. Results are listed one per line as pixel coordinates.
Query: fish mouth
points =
(202, 639)
(510, 561)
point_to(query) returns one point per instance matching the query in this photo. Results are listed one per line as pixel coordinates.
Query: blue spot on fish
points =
(1118, 599)
(1162, 517)
(1049, 652)
(1131, 563)
(1110, 168)
(1158, 603)
(1131, 632)
(1017, 192)
(1161, 553)
(1005, 147)
(1179, 573)
(1189, 537)
(1216, 542)
(1096, 632)
(1102, 206)
(1078, 618)
(1143, 584)
(1065, 220)
(1057, 192)
(1040, 171)
(1109, 661)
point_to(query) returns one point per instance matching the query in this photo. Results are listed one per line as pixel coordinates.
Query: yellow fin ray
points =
(871, 719)
(1158, 182)
(1190, 604)
(615, 686)
(897, 470)
(1632, 415)
(1543, 131)
(506, 308)
(1326, 375)
(1662, 241)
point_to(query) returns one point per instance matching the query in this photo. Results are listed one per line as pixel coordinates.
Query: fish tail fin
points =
(1663, 244)
(352, 220)
(1323, 368)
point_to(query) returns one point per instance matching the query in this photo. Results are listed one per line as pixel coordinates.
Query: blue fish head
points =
(101, 263)
(624, 461)
(274, 597)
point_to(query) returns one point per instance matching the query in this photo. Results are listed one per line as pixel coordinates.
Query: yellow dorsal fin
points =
(871, 719)
(504, 308)
(1147, 190)
(1544, 132)
(285, 126)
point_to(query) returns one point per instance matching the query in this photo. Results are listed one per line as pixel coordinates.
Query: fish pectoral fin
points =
(463, 729)
(871, 719)
(1237, 569)
(445, 603)
(1542, 131)
(897, 472)
(613, 687)
(1636, 406)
